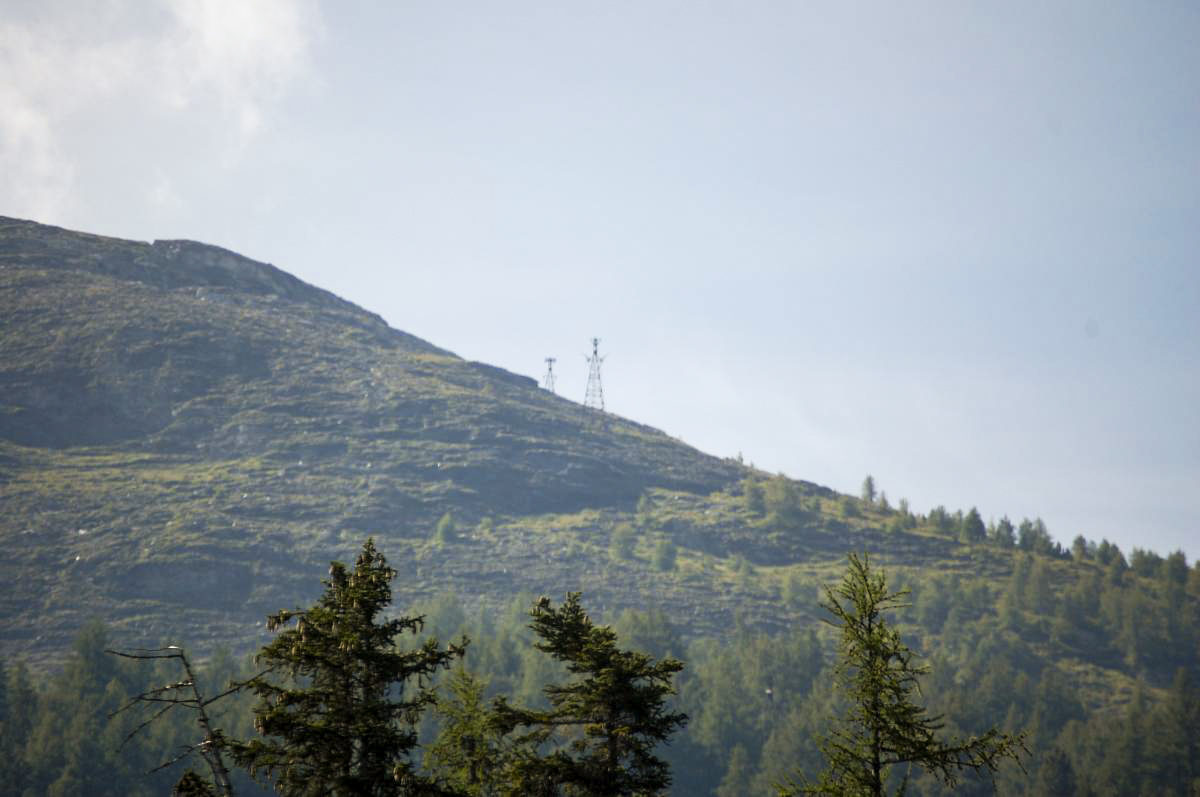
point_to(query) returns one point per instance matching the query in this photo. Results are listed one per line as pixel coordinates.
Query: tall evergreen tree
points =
(884, 726)
(868, 490)
(736, 782)
(1004, 536)
(972, 529)
(1056, 776)
(340, 723)
(611, 715)
(1175, 743)
(469, 752)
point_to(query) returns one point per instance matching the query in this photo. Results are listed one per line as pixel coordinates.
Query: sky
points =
(955, 246)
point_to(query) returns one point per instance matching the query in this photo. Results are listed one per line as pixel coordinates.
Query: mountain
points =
(188, 436)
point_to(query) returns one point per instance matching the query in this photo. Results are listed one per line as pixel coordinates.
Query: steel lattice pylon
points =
(548, 379)
(594, 397)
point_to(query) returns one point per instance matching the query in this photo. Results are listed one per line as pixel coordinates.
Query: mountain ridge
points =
(163, 263)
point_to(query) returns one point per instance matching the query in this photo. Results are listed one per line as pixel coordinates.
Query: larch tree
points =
(884, 726)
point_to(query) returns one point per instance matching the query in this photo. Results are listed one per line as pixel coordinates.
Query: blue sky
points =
(952, 245)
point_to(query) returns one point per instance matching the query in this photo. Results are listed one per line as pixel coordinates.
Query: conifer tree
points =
(1055, 776)
(883, 726)
(470, 751)
(611, 715)
(972, 529)
(868, 490)
(340, 721)
(736, 782)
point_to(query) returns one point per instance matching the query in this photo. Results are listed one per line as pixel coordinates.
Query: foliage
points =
(753, 497)
(60, 736)
(611, 715)
(1032, 536)
(868, 490)
(446, 531)
(645, 511)
(623, 542)
(883, 726)
(973, 529)
(783, 501)
(1004, 535)
(1107, 678)
(665, 554)
(469, 753)
(797, 590)
(335, 725)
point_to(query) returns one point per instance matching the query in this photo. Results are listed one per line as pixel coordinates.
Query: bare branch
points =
(139, 728)
(184, 693)
(187, 751)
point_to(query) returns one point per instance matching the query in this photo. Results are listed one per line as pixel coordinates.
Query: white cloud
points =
(69, 68)
(36, 176)
(244, 54)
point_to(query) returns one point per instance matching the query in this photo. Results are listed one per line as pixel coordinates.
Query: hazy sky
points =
(953, 245)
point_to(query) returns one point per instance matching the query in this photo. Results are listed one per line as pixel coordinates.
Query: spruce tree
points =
(339, 719)
(607, 719)
(883, 726)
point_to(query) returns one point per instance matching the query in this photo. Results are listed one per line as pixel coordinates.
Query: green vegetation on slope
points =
(756, 701)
